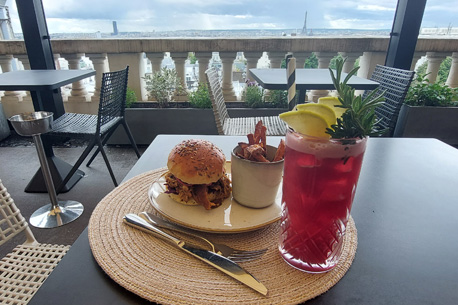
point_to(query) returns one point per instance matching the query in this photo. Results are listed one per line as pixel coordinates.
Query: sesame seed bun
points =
(196, 162)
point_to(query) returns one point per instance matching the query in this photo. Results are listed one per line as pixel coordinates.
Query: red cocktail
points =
(319, 184)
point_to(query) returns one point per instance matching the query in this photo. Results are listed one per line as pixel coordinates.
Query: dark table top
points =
(37, 80)
(405, 210)
(307, 79)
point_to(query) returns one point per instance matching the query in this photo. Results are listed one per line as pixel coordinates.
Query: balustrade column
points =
(452, 79)
(204, 59)
(324, 58)
(180, 59)
(416, 57)
(251, 63)
(350, 59)
(434, 61)
(156, 59)
(99, 61)
(78, 92)
(369, 61)
(24, 59)
(6, 62)
(275, 59)
(227, 59)
(301, 57)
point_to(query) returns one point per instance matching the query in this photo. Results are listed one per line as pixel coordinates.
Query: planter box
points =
(146, 123)
(428, 122)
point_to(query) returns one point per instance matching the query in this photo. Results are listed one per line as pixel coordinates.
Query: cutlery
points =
(235, 255)
(217, 261)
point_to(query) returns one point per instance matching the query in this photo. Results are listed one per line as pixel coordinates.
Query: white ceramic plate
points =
(230, 217)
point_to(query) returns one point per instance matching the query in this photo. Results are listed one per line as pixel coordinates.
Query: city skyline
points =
(84, 16)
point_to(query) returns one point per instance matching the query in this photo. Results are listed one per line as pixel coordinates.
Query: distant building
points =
(439, 31)
(115, 29)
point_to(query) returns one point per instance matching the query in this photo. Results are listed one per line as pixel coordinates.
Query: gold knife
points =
(217, 261)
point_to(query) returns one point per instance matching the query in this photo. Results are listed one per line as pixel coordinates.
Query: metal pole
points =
(404, 34)
(46, 172)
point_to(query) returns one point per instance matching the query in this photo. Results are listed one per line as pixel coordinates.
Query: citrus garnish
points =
(325, 111)
(306, 122)
(332, 101)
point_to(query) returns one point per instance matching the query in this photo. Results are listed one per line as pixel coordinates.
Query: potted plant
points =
(146, 119)
(430, 110)
(200, 98)
(163, 85)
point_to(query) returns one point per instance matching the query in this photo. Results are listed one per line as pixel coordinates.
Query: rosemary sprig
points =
(359, 119)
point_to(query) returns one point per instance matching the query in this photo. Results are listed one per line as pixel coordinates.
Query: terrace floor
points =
(19, 162)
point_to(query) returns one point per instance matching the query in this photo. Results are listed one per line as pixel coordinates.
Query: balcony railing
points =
(115, 54)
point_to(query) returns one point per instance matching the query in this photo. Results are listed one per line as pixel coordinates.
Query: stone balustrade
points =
(115, 54)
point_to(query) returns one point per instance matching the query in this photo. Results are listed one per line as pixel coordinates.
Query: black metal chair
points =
(395, 82)
(98, 128)
(237, 126)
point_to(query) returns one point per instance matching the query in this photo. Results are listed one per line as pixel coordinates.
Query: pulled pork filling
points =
(208, 195)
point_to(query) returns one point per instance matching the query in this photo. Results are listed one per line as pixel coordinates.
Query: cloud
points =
(155, 15)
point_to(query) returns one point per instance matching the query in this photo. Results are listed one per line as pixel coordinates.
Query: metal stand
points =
(57, 213)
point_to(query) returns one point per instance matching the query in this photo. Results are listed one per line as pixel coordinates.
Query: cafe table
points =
(307, 79)
(40, 83)
(405, 211)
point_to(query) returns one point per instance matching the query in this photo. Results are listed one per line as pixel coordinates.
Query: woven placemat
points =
(158, 272)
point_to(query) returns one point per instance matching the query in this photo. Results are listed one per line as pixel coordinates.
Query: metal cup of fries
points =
(256, 170)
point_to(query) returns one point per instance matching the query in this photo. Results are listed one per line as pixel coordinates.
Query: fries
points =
(256, 148)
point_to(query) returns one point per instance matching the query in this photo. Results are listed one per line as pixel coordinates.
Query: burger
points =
(197, 175)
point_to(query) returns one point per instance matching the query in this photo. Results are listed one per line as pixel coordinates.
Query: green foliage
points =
(163, 85)
(424, 93)
(359, 119)
(311, 62)
(333, 62)
(254, 96)
(444, 69)
(131, 97)
(276, 99)
(201, 97)
(192, 57)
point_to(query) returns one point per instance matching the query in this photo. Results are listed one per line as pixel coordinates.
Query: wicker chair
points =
(396, 83)
(98, 128)
(24, 269)
(237, 126)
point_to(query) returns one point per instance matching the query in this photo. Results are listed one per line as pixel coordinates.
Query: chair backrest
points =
(395, 82)
(217, 98)
(112, 96)
(11, 220)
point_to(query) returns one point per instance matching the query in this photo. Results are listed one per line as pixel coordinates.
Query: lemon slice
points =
(332, 101)
(306, 122)
(324, 110)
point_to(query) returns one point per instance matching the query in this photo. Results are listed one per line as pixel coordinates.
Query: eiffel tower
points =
(304, 29)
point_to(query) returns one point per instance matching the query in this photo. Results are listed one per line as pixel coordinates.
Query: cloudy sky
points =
(89, 16)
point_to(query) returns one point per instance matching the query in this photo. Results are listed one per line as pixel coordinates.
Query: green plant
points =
(253, 95)
(201, 97)
(359, 119)
(131, 97)
(277, 99)
(424, 93)
(163, 85)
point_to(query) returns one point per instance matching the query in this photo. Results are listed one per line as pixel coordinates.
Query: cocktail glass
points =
(319, 184)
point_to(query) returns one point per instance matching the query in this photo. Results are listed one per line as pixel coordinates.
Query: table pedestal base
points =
(59, 170)
(51, 217)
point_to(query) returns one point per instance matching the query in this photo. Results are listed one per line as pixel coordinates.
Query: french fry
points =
(280, 153)
(256, 148)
